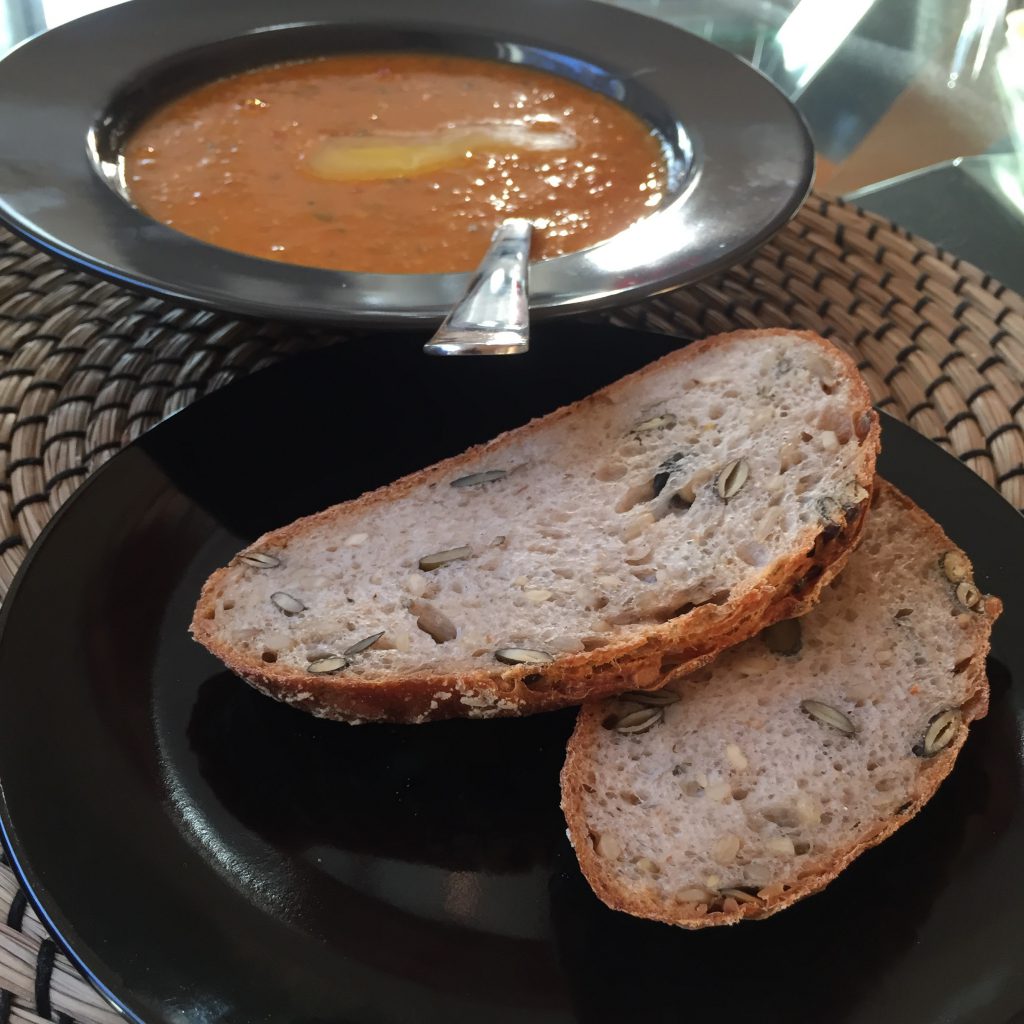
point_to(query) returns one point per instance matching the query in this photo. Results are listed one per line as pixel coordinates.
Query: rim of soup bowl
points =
(739, 154)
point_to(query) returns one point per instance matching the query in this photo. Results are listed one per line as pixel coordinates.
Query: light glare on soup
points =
(404, 155)
(394, 163)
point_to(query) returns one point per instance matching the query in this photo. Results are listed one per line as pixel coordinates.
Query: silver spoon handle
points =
(493, 317)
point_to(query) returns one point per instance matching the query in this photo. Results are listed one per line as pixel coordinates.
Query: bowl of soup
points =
(351, 165)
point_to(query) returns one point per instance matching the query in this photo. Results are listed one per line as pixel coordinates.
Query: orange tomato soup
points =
(393, 163)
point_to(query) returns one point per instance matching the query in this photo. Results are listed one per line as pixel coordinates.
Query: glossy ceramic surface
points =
(741, 157)
(210, 855)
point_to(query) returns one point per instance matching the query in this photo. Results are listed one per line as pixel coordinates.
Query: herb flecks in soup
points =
(394, 163)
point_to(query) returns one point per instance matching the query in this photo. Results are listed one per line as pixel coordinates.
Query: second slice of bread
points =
(644, 528)
(750, 785)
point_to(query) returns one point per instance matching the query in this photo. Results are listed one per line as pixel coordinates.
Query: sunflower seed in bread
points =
(362, 645)
(260, 559)
(828, 715)
(522, 656)
(434, 561)
(664, 421)
(486, 476)
(635, 722)
(731, 479)
(325, 666)
(287, 603)
(968, 595)
(940, 732)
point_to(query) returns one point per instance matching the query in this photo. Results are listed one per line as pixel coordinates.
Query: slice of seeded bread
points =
(754, 782)
(648, 526)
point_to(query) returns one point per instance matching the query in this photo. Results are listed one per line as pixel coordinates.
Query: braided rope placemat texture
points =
(86, 366)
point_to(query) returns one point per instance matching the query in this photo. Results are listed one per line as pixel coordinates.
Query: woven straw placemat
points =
(86, 366)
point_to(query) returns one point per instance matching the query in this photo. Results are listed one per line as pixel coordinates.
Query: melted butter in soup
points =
(394, 163)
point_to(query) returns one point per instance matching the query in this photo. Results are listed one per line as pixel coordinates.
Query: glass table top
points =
(887, 86)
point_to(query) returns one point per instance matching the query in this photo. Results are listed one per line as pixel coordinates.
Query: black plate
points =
(742, 159)
(210, 855)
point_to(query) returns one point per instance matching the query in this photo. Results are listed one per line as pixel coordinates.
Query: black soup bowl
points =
(740, 159)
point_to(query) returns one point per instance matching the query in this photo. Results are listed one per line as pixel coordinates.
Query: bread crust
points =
(682, 644)
(814, 875)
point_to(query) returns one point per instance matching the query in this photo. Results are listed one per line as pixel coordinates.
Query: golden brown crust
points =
(814, 875)
(687, 641)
